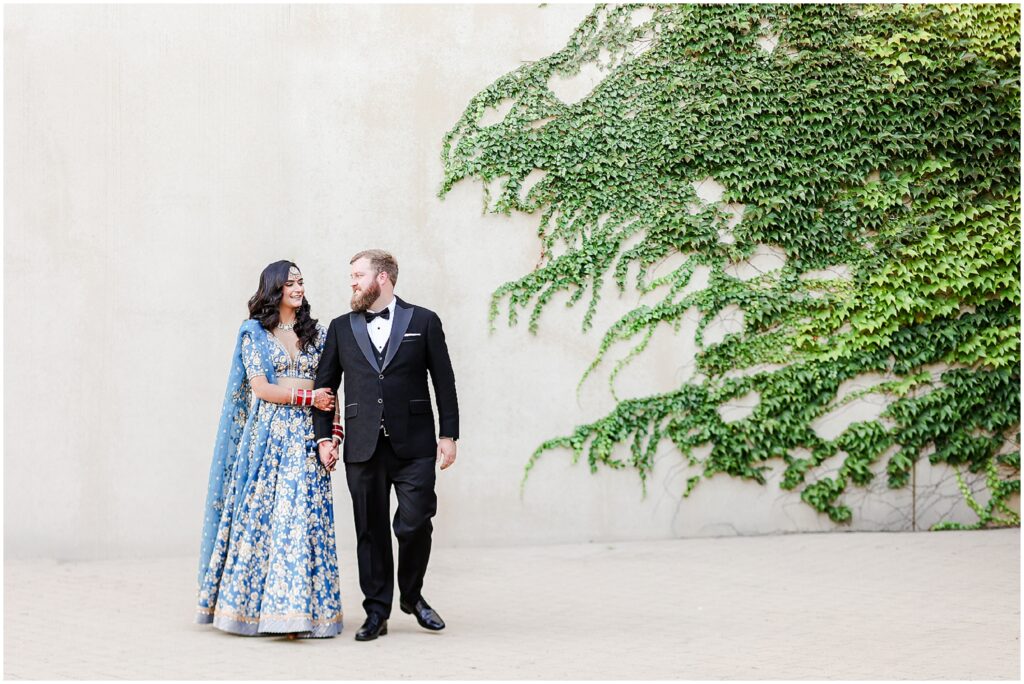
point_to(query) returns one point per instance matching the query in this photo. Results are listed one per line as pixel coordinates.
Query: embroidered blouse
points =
(303, 365)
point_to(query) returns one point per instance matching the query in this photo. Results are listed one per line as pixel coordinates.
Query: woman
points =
(268, 563)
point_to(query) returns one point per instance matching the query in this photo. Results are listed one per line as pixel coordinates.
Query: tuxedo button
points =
(380, 401)
(381, 376)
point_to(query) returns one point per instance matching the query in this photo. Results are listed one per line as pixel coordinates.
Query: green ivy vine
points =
(884, 138)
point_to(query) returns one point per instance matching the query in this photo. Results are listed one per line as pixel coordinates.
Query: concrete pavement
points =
(813, 606)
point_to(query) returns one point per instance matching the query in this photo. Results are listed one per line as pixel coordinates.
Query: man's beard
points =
(361, 301)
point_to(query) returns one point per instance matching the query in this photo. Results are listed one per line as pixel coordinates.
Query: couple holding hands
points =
(268, 561)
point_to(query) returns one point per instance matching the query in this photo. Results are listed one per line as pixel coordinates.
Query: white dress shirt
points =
(380, 328)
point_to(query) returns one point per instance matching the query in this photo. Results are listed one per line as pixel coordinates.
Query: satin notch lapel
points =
(362, 335)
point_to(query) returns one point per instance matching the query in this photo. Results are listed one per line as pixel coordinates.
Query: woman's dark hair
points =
(263, 306)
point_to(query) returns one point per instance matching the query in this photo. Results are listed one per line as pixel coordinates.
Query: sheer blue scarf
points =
(231, 469)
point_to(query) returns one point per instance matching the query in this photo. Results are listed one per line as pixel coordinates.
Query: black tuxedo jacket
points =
(395, 390)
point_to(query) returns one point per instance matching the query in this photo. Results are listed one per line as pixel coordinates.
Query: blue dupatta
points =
(230, 470)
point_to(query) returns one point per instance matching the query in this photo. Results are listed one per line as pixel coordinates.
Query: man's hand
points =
(328, 454)
(445, 452)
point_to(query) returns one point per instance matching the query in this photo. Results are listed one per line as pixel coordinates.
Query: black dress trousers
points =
(369, 483)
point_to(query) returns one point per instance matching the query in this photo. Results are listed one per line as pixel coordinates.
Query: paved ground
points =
(814, 606)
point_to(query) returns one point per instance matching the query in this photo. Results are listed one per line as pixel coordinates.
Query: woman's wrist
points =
(301, 397)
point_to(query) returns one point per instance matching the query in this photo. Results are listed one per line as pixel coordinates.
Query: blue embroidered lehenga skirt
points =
(274, 565)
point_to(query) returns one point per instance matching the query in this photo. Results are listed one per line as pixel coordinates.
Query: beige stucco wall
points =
(156, 158)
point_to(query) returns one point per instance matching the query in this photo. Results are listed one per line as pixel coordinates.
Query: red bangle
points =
(338, 431)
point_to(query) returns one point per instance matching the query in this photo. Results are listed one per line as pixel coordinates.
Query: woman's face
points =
(294, 290)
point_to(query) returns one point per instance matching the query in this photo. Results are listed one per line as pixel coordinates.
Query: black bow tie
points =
(383, 313)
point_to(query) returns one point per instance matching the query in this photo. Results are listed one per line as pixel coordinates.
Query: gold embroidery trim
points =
(239, 617)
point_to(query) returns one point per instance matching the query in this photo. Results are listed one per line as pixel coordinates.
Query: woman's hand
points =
(323, 399)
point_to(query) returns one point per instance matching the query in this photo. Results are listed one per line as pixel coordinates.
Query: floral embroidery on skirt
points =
(274, 563)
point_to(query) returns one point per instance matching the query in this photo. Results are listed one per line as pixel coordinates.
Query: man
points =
(384, 348)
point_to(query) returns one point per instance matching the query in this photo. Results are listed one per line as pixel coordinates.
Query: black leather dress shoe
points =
(425, 615)
(375, 626)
